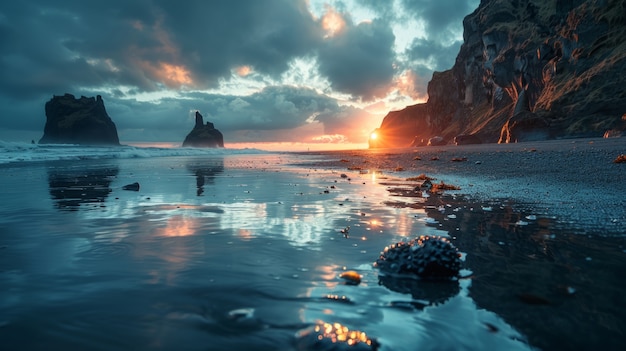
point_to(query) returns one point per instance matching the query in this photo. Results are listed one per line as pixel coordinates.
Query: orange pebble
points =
(351, 277)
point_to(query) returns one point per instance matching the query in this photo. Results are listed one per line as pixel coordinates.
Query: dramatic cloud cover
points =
(274, 70)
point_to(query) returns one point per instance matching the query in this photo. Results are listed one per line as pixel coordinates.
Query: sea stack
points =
(204, 135)
(78, 121)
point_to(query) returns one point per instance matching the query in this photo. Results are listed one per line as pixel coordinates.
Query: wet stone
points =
(425, 257)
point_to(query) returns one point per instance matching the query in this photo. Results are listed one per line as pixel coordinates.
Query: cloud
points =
(266, 69)
(150, 45)
(274, 113)
(359, 59)
(437, 50)
(354, 124)
(432, 55)
(215, 36)
(442, 18)
(422, 58)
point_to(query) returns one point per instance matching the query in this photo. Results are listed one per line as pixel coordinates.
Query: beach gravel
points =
(573, 180)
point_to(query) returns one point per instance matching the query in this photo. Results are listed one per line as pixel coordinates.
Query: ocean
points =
(244, 249)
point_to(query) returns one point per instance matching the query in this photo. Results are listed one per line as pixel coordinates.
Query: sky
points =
(319, 72)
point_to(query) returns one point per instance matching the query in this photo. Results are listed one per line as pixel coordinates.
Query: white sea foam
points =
(17, 152)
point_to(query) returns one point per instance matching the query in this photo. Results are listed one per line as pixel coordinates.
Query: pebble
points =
(351, 277)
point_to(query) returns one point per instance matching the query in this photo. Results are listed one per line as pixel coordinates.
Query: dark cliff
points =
(527, 70)
(203, 135)
(78, 121)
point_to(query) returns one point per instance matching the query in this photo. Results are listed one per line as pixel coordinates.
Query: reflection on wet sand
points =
(72, 187)
(245, 268)
(423, 292)
(334, 336)
(205, 172)
(561, 290)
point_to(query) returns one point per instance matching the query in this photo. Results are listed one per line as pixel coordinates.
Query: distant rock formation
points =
(78, 121)
(527, 70)
(203, 135)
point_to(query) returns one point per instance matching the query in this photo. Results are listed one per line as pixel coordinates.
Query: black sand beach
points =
(243, 252)
(550, 257)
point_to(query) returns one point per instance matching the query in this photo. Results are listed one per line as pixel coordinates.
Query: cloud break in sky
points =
(260, 70)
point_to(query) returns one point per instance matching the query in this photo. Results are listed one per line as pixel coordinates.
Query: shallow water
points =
(244, 252)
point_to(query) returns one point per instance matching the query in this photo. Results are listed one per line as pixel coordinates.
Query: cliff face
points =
(527, 70)
(78, 121)
(203, 135)
(400, 127)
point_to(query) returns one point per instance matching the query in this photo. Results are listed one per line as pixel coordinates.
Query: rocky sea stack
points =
(204, 135)
(78, 121)
(527, 70)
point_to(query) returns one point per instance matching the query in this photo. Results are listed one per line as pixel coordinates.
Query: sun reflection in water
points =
(374, 177)
(179, 225)
(335, 333)
(245, 234)
(404, 224)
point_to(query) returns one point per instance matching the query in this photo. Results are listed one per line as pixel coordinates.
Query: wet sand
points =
(575, 180)
(542, 225)
(241, 253)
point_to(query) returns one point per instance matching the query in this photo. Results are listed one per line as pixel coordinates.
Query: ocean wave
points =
(18, 152)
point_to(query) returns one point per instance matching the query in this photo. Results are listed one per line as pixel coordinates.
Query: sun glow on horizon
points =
(326, 138)
(296, 146)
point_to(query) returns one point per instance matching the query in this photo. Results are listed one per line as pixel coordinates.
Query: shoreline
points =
(269, 235)
(573, 180)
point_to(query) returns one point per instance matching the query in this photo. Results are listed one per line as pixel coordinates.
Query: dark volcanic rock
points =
(559, 62)
(132, 187)
(524, 126)
(424, 257)
(204, 135)
(436, 141)
(467, 139)
(78, 121)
